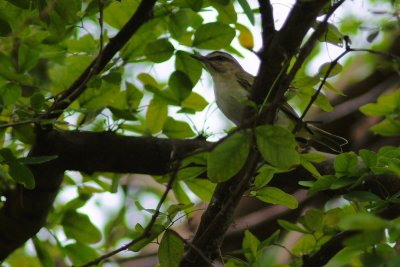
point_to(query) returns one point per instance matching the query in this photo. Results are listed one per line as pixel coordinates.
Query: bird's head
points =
(218, 63)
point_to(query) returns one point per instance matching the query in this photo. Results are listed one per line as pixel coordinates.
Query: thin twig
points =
(147, 231)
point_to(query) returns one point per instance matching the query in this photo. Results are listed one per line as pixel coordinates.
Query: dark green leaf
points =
(180, 193)
(184, 62)
(5, 28)
(278, 146)
(213, 36)
(247, 10)
(276, 196)
(171, 249)
(123, 114)
(37, 101)
(180, 85)
(79, 227)
(25, 133)
(323, 183)
(20, 173)
(228, 157)
(195, 5)
(159, 51)
(332, 35)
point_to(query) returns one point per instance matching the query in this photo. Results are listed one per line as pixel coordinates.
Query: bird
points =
(232, 88)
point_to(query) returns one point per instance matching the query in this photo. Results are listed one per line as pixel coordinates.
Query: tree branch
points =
(142, 14)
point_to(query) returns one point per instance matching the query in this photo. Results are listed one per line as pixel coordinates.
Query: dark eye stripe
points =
(219, 58)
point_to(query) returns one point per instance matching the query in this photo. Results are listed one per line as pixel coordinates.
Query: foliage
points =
(150, 89)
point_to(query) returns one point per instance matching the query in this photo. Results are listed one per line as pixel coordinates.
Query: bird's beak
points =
(199, 57)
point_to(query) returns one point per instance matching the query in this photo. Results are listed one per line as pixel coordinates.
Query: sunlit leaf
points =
(276, 196)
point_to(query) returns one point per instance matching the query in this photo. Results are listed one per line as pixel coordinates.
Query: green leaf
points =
(159, 51)
(365, 240)
(195, 102)
(276, 196)
(171, 249)
(179, 22)
(180, 193)
(147, 79)
(369, 157)
(226, 12)
(133, 96)
(228, 157)
(213, 36)
(195, 5)
(332, 35)
(323, 183)
(346, 164)
(264, 176)
(20, 173)
(362, 221)
(387, 127)
(180, 85)
(247, 10)
(177, 129)
(343, 257)
(156, 115)
(323, 103)
(79, 227)
(10, 93)
(324, 68)
(305, 245)
(125, 114)
(42, 253)
(37, 101)
(24, 133)
(184, 62)
(386, 105)
(37, 160)
(278, 146)
(28, 57)
(5, 28)
(156, 230)
(250, 245)
(312, 220)
(201, 188)
(291, 226)
(80, 253)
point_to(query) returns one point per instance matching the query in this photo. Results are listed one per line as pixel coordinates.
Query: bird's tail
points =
(327, 139)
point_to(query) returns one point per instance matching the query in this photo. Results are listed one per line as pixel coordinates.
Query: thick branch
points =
(25, 211)
(284, 45)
